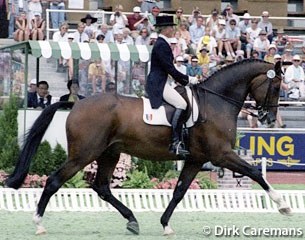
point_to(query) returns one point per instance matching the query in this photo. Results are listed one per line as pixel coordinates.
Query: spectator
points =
(197, 31)
(152, 17)
(179, 65)
(229, 14)
(246, 113)
(203, 56)
(103, 29)
(240, 55)
(138, 78)
(205, 71)
(97, 76)
(79, 34)
(287, 56)
(57, 18)
(144, 23)
(13, 12)
(228, 60)
(212, 21)
(126, 37)
(22, 32)
(72, 96)
(261, 44)
(62, 34)
(148, 5)
(118, 18)
(269, 57)
(193, 18)
(100, 38)
(185, 34)
(135, 17)
(294, 78)
(153, 38)
(243, 25)
(232, 42)
(181, 42)
(219, 33)
(178, 17)
(90, 29)
(281, 41)
(207, 41)
(266, 25)
(38, 27)
(193, 69)
(33, 86)
(254, 55)
(34, 7)
(143, 38)
(41, 98)
(251, 34)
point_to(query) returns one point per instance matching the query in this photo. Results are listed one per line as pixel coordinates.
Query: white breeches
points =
(171, 96)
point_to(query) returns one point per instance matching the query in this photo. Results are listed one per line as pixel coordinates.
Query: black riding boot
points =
(176, 146)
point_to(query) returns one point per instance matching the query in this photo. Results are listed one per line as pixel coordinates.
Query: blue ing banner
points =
(285, 150)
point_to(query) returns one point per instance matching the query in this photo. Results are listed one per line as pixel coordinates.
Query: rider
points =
(157, 86)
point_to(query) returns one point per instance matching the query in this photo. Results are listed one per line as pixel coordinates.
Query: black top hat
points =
(164, 21)
(88, 16)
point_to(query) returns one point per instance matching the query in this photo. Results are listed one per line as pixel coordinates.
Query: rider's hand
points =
(193, 80)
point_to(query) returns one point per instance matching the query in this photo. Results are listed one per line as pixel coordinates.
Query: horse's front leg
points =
(186, 177)
(233, 162)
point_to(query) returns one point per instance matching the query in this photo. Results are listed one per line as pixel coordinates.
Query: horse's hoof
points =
(285, 211)
(168, 231)
(133, 227)
(41, 230)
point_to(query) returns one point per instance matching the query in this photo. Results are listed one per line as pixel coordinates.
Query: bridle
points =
(263, 109)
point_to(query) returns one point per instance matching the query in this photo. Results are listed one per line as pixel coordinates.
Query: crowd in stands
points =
(201, 45)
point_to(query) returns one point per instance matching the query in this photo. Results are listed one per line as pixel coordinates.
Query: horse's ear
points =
(278, 68)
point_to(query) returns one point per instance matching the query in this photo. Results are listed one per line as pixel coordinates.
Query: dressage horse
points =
(102, 126)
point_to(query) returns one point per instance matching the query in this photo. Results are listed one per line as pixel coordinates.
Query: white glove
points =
(193, 80)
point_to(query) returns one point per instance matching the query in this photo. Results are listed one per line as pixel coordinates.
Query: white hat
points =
(272, 46)
(154, 35)
(137, 9)
(173, 40)
(33, 81)
(71, 35)
(222, 22)
(265, 13)
(246, 16)
(296, 57)
(179, 59)
(277, 56)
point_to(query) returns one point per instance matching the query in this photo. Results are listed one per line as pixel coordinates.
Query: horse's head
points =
(265, 89)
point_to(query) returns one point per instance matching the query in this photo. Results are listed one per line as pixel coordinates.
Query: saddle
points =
(163, 115)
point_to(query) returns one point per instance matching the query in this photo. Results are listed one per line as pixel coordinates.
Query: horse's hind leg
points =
(54, 182)
(106, 166)
(186, 177)
(235, 163)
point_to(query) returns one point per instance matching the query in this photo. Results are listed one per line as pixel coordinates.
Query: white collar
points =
(165, 38)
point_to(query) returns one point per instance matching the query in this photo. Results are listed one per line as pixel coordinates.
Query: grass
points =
(110, 225)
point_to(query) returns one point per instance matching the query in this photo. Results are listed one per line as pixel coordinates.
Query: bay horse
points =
(102, 126)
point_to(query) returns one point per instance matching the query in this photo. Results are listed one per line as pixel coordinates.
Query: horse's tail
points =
(32, 142)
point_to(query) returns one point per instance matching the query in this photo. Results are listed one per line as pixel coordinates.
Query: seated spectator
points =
(261, 44)
(196, 32)
(179, 65)
(219, 33)
(287, 56)
(240, 55)
(243, 25)
(246, 111)
(134, 18)
(72, 96)
(266, 25)
(148, 6)
(118, 18)
(126, 37)
(100, 38)
(143, 38)
(62, 34)
(41, 98)
(178, 17)
(32, 86)
(79, 34)
(144, 23)
(96, 76)
(294, 78)
(252, 33)
(281, 41)
(153, 38)
(228, 60)
(203, 56)
(22, 32)
(103, 29)
(212, 20)
(90, 29)
(269, 57)
(207, 41)
(195, 14)
(154, 13)
(205, 71)
(229, 15)
(38, 27)
(193, 69)
(232, 41)
(176, 48)
(254, 55)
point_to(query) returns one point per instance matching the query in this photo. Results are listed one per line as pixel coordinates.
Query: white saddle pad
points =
(158, 116)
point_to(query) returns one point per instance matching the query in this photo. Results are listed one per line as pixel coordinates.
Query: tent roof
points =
(86, 51)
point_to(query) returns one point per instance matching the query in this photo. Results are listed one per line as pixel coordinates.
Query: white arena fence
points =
(141, 200)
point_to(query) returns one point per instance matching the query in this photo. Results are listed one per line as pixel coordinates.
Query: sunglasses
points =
(233, 24)
(179, 12)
